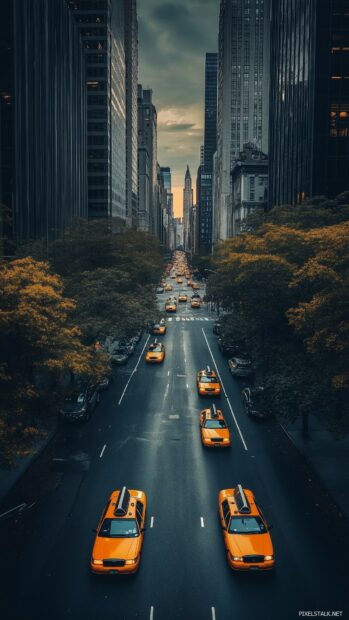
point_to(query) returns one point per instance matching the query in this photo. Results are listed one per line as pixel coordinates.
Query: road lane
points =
(153, 443)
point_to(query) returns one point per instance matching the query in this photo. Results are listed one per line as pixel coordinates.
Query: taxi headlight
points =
(237, 558)
(225, 439)
(131, 561)
(99, 562)
(268, 557)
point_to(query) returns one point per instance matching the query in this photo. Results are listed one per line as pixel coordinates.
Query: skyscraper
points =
(50, 182)
(101, 24)
(309, 104)
(149, 214)
(204, 205)
(187, 205)
(243, 94)
(131, 59)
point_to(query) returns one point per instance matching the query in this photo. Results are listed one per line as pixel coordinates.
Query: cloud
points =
(173, 39)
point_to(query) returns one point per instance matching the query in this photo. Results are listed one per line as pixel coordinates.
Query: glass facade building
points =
(7, 158)
(101, 24)
(210, 144)
(131, 59)
(309, 99)
(50, 119)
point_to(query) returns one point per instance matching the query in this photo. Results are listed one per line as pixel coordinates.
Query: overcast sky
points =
(174, 36)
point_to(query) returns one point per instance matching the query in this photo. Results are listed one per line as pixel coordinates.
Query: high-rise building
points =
(187, 205)
(167, 180)
(309, 102)
(204, 206)
(50, 181)
(101, 24)
(147, 142)
(7, 135)
(131, 59)
(243, 94)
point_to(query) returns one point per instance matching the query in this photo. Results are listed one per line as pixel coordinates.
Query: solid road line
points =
(225, 393)
(133, 372)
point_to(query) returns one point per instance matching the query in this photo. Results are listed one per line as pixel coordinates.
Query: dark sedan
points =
(253, 400)
(80, 403)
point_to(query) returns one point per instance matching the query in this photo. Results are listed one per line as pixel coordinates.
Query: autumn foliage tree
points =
(39, 344)
(285, 286)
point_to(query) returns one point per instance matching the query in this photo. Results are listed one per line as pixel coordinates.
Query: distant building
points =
(210, 144)
(187, 205)
(179, 236)
(131, 60)
(243, 95)
(101, 24)
(147, 140)
(249, 185)
(50, 180)
(309, 104)
(143, 214)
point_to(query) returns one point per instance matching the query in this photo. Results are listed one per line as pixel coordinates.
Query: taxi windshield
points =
(119, 528)
(215, 424)
(205, 379)
(155, 349)
(246, 525)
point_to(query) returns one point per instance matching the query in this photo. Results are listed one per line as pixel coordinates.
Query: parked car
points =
(159, 290)
(119, 355)
(105, 382)
(241, 366)
(227, 347)
(128, 344)
(79, 403)
(253, 400)
(217, 328)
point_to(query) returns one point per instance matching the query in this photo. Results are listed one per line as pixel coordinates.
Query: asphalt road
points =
(147, 437)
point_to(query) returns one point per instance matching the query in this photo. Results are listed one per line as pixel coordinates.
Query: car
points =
(189, 283)
(118, 354)
(207, 383)
(158, 329)
(227, 347)
(119, 535)
(196, 286)
(105, 382)
(128, 344)
(155, 353)
(168, 287)
(254, 403)
(159, 290)
(195, 296)
(195, 303)
(217, 328)
(245, 531)
(214, 429)
(241, 366)
(170, 306)
(79, 403)
(179, 281)
(182, 297)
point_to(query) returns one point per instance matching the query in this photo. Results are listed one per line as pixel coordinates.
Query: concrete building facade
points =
(147, 140)
(187, 205)
(243, 95)
(249, 185)
(131, 60)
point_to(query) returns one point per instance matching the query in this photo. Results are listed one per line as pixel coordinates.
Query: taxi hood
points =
(116, 548)
(250, 544)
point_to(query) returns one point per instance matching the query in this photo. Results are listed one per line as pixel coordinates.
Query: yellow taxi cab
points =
(171, 306)
(195, 303)
(189, 283)
(159, 329)
(245, 531)
(120, 532)
(182, 297)
(179, 281)
(155, 353)
(168, 287)
(214, 429)
(208, 383)
(196, 287)
(173, 277)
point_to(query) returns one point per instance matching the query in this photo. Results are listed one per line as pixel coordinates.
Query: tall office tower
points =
(187, 205)
(7, 132)
(131, 58)
(309, 103)
(167, 180)
(243, 95)
(101, 24)
(202, 155)
(149, 214)
(50, 119)
(210, 145)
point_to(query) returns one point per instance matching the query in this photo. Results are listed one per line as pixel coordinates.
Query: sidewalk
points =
(9, 477)
(329, 457)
